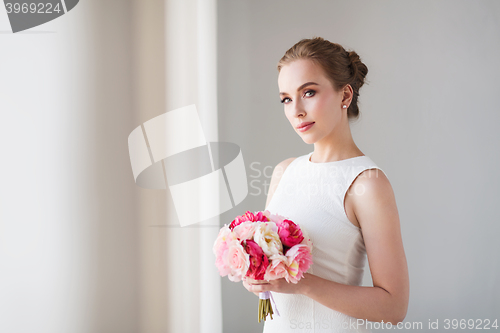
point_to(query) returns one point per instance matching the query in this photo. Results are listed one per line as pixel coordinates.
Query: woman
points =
(340, 197)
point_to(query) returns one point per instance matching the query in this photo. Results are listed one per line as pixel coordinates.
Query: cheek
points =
(320, 110)
(322, 105)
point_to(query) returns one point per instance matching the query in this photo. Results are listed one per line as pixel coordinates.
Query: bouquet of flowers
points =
(263, 246)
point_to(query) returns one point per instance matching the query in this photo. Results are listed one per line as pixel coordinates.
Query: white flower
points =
(266, 236)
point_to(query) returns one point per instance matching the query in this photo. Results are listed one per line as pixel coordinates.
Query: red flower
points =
(258, 260)
(248, 216)
(290, 233)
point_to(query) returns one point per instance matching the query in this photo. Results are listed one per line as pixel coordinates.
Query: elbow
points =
(398, 314)
(396, 320)
(396, 309)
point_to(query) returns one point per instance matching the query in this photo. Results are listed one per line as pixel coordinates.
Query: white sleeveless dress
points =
(312, 195)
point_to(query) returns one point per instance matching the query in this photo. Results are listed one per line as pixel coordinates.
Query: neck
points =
(339, 145)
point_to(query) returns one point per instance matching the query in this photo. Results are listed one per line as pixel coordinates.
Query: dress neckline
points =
(330, 163)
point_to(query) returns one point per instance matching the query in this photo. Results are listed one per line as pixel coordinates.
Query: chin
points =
(309, 141)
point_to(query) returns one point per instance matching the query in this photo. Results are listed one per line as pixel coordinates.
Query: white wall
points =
(82, 248)
(429, 118)
(68, 244)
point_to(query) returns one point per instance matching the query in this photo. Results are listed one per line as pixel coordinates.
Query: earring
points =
(344, 106)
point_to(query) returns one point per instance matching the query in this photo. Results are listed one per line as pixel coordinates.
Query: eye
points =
(310, 91)
(284, 99)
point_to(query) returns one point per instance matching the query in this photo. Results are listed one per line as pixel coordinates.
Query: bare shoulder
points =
(366, 186)
(371, 188)
(278, 171)
(372, 180)
(372, 183)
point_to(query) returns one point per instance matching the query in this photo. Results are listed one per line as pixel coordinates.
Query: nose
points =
(298, 109)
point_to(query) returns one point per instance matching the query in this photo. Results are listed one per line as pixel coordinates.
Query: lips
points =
(305, 124)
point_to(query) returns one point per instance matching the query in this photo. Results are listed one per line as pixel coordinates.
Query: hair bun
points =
(358, 69)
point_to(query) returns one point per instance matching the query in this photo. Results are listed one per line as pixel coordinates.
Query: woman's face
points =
(308, 96)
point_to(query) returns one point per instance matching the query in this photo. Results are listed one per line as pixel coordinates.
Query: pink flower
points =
(220, 261)
(261, 217)
(237, 260)
(245, 230)
(248, 216)
(276, 218)
(290, 233)
(258, 260)
(307, 241)
(224, 232)
(220, 250)
(277, 269)
(299, 260)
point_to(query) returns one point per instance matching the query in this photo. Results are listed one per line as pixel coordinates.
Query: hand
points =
(279, 286)
(249, 282)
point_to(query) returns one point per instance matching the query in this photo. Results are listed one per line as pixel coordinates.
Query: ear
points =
(347, 95)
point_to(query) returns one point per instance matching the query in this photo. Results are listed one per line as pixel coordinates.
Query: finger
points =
(259, 282)
(251, 288)
(247, 286)
(258, 288)
(252, 281)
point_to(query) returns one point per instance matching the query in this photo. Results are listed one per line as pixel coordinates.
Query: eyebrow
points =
(301, 87)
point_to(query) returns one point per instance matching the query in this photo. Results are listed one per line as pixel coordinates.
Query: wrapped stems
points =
(265, 307)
